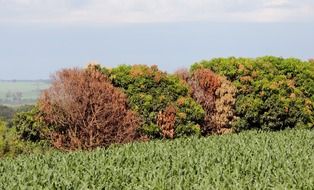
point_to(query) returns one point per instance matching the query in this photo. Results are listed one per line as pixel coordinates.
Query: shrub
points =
(272, 93)
(29, 126)
(12, 146)
(189, 118)
(9, 144)
(217, 97)
(166, 121)
(153, 93)
(83, 111)
(223, 117)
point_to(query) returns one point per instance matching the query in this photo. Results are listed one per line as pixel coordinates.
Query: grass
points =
(249, 160)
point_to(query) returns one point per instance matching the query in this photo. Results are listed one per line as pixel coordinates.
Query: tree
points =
(83, 111)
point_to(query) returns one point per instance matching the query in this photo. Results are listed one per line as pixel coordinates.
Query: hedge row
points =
(272, 93)
(84, 108)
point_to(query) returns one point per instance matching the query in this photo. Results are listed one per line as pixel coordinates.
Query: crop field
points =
(249, 160)
(30, 90)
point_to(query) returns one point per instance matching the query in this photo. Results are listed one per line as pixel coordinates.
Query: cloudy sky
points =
(38, 37)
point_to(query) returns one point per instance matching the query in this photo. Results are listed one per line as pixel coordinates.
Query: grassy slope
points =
(283, 160)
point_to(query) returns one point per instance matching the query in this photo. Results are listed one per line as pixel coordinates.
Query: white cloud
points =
(147, 11)
(277, 3)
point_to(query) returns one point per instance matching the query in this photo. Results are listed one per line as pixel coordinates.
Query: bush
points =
(29, 126)
(272, 93)
(83, 110)
(12, 146)
(223, 117)
(153, 93)
(216, 95)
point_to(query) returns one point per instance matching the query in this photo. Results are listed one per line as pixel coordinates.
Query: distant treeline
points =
(98, 106)
(19, 92)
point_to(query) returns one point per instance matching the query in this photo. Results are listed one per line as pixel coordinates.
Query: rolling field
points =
(249, 160)
(30, 90)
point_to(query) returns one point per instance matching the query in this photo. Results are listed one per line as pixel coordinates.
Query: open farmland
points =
(249, 160)
(21, 92)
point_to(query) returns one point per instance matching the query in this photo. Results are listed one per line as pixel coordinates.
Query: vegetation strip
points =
(249, 160)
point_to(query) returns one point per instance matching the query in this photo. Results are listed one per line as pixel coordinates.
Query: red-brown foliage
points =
(223, 115)
(183, 74)
(217, 97)
(166, 121)
(204, 83)
(86, 111)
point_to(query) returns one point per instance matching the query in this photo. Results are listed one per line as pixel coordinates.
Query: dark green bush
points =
(150, 91)
(273, 93)
(29, 126)
(6, 113)
(11, 145)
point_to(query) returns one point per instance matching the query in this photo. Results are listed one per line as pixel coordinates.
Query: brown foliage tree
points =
(204, 83)
(216, 95)
(166, 121)
(84, 111)
(224, 113)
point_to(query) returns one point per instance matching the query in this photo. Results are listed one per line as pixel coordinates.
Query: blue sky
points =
(38, 37)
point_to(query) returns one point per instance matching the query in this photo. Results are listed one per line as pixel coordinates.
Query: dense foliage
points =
(272, 93)
(83, 110)
(28, 124)
(216, 95)
(97, 106)
(11, 144)
(151, 92)
(250, 160)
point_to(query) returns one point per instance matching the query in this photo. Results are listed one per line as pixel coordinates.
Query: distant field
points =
(21, 92)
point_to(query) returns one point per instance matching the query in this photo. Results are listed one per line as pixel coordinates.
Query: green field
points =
(249, 160)
(30, 90)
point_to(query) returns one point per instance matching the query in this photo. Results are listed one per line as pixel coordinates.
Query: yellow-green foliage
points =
(11, 145)
(150, 91)
(28, 125)
(272, 93)
(250, 160)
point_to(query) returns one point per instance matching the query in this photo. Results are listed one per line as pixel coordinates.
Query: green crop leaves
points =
(249, 160)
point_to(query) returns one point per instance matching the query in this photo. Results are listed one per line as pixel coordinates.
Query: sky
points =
(39, 37)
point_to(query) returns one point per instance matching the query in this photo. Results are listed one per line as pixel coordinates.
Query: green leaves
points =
(272, 91)
(249, 160)
(150, 91)
(28, 125)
